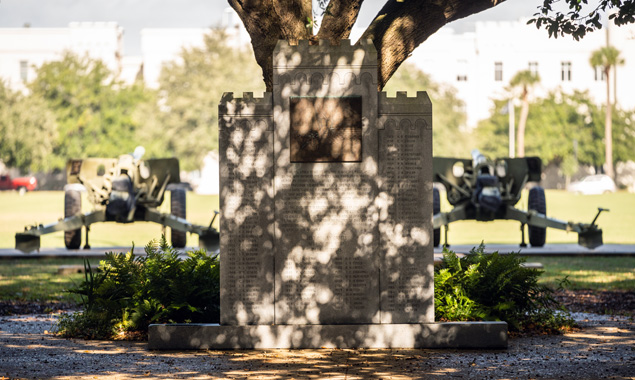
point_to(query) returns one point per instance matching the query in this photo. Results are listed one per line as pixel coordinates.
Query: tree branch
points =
(339, 19)
(263, 25)
(294, 16)
(268, 21)
(401, 26)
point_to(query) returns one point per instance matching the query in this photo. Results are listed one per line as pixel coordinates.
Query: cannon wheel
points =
(177, 208)
(436, 208)
(72, 206)
(537, 235)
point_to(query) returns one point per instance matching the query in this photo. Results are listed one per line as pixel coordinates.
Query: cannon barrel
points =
(478, 158)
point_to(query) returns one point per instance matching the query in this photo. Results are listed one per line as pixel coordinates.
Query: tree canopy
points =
(184, 120)
(578, 19)
(564, 120)
(448, 116)
(93, 111)
(76, 108)
(28, 131)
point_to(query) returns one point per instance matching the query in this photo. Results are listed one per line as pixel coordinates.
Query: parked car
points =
(22, 184)
(593, 184)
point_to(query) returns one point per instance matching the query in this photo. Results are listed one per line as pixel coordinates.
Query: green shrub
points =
(495, 287)
(128, 293)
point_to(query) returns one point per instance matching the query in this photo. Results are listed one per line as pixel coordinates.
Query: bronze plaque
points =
(326, 129)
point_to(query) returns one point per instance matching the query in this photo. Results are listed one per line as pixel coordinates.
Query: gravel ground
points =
(603, 348)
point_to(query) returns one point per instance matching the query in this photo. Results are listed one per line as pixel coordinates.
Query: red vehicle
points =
(21, 184)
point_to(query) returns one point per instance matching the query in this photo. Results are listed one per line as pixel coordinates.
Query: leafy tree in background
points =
(569, 166)
(524, 80)
(184, 119)
(93, 111)
(28, 131)
(550, 133)
(564, 118)
(623, 135)
(577, 21)
(492, 135)
(448, 116)
(607, 58)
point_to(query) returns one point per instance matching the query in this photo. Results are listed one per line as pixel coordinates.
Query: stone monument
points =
(326, 214)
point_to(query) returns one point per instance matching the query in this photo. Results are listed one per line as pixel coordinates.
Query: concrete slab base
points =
(465, 335)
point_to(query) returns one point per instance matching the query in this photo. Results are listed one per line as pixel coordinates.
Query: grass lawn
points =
(48, 206)
(590, 272)
(37, 280)
(618, 225)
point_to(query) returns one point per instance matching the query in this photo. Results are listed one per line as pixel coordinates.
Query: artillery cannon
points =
(123, 190)
(484, 190)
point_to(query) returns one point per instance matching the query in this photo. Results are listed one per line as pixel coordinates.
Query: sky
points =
(134, 15)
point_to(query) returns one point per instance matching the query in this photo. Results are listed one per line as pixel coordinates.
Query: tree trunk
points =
(338, 20)
(268, 21)
(520, 136)
(608, 128)
(399, 27)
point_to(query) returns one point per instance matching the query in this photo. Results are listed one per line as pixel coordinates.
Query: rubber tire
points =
(537, 235)
(72, 206)
(436, 209)
(177, 208)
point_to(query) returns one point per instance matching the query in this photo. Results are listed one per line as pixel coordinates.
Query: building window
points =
(24, 70)
(461, 66)
(498, 71)
(599, 73)
(566, 71)
(533, 68)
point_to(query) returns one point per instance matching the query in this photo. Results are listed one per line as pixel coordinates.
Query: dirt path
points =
(604, 348)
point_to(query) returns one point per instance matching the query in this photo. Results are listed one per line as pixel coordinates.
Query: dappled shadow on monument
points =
(332, 236)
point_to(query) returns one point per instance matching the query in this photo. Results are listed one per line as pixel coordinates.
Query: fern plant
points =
(128, 293)
(495, 287)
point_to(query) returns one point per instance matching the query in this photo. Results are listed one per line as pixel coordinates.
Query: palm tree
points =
(605, 58)
(524, 80)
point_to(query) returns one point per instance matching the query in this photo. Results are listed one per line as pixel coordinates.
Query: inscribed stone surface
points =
(246, 171)
(325, 187)
(326, 234)
(326, 225)
(405, 154)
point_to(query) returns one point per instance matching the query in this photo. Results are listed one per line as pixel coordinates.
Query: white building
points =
(161, 45)
(23, 49)
(480, 64)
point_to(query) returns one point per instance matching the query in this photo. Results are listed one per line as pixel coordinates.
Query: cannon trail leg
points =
(87, 244)
(522, 235)
(445, 233)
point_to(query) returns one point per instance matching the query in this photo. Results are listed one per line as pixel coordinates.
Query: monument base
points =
(465, 335)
